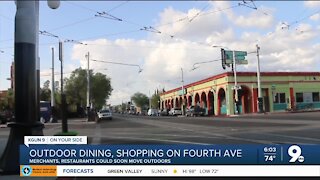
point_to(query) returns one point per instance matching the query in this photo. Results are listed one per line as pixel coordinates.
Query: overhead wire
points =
(112, 62)
(59, 73)
(86, 19)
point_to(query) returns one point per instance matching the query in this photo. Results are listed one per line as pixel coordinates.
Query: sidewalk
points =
(267, 113)
(4, 138)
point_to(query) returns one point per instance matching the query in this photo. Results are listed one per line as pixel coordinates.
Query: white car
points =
(175, 112)
(152, 112)
(105, 114)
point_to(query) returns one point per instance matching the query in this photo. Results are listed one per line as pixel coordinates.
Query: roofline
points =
(225, 74)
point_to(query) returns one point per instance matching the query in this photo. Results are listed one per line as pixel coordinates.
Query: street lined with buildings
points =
(284, 128)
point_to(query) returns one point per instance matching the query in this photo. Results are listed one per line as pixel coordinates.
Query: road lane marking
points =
(203, 129)
(294, 137)
(175, 126)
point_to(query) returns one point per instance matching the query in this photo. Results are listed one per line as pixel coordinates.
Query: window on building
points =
(280, 98)
(315, 97)
(299, 97)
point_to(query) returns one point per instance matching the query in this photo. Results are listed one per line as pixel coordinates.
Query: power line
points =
(58, 73)
(302, 19)
(111, 34)
(86, 19)
(72, 24)
(116, 7)
(111, 62)
(80, 6)
(107, 16)
(195, 16)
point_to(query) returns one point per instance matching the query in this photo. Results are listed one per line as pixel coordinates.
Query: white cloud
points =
(315, 17)
(312, 4)
(261, 18)
(162, 57)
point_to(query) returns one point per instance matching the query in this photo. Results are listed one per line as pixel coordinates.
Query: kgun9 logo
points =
(296, 154)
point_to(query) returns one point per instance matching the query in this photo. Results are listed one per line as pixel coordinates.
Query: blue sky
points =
(160, 56)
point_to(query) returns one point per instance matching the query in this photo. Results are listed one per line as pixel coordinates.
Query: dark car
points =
(195, 111)
(6, 116)
(164, 112)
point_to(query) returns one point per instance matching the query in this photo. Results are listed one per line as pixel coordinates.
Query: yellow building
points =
(281, 91)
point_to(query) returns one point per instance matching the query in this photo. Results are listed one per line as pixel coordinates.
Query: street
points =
(284, 128)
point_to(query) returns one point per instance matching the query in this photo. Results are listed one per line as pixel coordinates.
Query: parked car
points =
(105, 114)
(195, 111)
(152, 112)
(175, 112)
(6, 116)
(164, 112)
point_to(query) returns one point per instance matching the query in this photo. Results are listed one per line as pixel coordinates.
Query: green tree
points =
(7, 102)
(76, 88)
(141, 100)
(100, 89)
(45, 92)
(155, 100)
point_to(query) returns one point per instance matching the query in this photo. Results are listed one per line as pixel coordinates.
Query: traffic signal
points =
(223, 58)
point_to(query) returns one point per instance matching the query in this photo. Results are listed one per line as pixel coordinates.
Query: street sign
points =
(241, 61)
(236, 87)
(180, 92)
(229, 55)
(240, 57)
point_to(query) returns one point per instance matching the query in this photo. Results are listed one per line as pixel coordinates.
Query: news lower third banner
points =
(72, 156)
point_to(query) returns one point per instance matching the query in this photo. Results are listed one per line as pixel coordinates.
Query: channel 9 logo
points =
(295, 153)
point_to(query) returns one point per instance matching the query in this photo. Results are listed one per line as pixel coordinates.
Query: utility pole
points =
(52, 88)
(149, 100)
(235, 82)
(260, 98)
(182, 88)
(88, 86)
(63, 96)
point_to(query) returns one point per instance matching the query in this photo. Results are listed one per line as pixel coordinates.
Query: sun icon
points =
(175, 171)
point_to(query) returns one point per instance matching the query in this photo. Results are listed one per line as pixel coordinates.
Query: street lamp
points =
(88, 87)
(26, 93)
(194, 67)
(260, 99)
(182, 89)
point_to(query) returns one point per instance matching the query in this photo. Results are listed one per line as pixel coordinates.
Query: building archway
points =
(245, 100)
(189, 101)
(222, 103)
(171, 104)
(210, 103)
(203, 100)
(197, 99)
(177, 103)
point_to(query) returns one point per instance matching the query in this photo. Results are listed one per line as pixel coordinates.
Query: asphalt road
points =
(292, 128)
(284, 128)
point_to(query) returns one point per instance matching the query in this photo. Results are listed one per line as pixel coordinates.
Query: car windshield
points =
(104, 111)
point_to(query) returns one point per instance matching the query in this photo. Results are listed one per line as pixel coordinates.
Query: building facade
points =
(281, 91)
